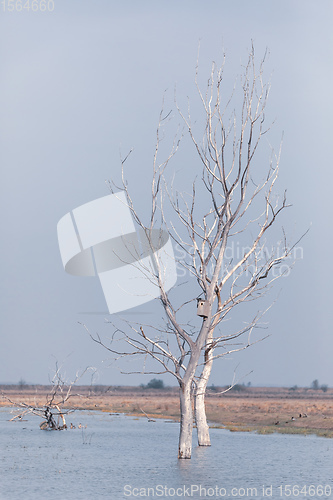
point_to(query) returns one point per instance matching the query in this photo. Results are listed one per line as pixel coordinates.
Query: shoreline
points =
(261, 410)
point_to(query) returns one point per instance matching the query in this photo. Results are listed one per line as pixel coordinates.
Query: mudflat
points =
(260, 409)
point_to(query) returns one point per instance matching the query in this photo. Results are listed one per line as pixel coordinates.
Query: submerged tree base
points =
(45, 426)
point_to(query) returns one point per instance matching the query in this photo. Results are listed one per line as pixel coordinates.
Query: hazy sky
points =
(86, 80)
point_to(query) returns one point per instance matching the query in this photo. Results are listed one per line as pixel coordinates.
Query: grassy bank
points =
(264, 410)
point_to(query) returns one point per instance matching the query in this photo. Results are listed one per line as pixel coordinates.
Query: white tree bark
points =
(201, 419)
(186, 420)
(199, 399)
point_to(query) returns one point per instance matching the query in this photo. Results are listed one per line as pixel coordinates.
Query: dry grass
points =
(256, 409)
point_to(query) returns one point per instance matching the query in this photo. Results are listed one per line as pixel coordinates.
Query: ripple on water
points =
(97, 461)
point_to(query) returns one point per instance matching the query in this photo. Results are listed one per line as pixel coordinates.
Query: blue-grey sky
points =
(82, 82)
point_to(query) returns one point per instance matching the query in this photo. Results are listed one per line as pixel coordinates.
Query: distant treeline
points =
(158, 384)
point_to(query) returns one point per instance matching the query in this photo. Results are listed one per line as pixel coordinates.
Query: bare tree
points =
(52, 411)
(233, 199)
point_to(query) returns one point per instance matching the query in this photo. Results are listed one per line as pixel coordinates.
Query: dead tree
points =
(52, 412)
(235, 198)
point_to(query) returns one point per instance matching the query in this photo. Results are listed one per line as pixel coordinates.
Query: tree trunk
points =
(200, 416)
(199, 398)
(186, 420)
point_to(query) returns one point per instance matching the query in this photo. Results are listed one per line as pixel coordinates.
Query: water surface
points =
(117, 456)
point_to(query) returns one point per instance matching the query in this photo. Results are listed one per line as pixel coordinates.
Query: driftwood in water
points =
(51, 412)
(50, 424)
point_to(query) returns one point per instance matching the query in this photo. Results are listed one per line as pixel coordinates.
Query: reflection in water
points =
(121, 457)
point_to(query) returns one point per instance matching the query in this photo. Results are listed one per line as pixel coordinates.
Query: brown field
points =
(259, 409)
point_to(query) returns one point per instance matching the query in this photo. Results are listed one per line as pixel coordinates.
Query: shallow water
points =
(117, 457)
